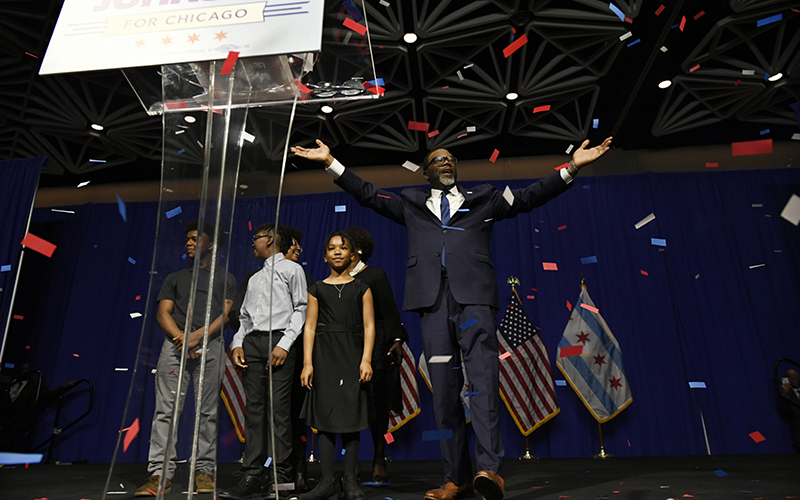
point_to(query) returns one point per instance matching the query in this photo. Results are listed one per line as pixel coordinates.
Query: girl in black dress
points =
(338, 341)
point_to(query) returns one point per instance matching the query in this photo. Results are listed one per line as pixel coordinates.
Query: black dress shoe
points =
(249, 488)
(300, 485)
(327, 486)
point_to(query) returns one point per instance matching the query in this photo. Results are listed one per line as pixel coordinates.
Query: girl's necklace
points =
(339, 289)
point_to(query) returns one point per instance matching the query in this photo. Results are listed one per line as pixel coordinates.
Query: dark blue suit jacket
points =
(470, 269)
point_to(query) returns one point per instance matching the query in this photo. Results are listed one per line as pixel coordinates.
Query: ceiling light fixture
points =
(775, 77)
(410, 37)
(97, 127)
(665, 84)
(189, 119)
(511, 96)
(326, 109)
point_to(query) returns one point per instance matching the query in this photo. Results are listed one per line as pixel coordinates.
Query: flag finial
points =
(583, 282)
(513, 281)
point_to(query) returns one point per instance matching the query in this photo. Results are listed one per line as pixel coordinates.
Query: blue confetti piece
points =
(454, 228)
(468, 323)
(589, 260)
(769, 20)
(269, 461)
(463, 209)
(766, 76)
(130, 259)
(697, 385)
(586, 187)
(340, 208)
(635, 42)
(352, 10)
(175, 211)
(471, 394)
(658, 242)
(377, 83)
(181, 151)
(437, 435)
(20, 458)
(561, 383)
(9, 365)
(342, 451)
(456, 368)
(595, 123)
(616, 11)
(122, 210)
(765, 131)
(778, 251)
(95, 246)
(183, 256)
(5, 268)
(720, 473)
(675, 26)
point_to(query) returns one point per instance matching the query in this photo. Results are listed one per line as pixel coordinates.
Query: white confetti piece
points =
(663, 49)
(84, 184)
(569, 149)
(62, 211)
(460, 77)
(625, 36)
(248, 137)
(757, 265)
(136, 315)
(411, 166)
(508, 195)
(791, 211)
(440, 359)
(749, 72)
(645, 221)
(120, 369)
(384, 3)
(471, 129)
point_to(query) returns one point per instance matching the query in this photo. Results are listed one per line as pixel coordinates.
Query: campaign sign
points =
(105, 34)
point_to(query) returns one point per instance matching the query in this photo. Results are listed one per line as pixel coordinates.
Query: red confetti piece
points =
(761, 147)
(615, 491)
(737, 83)
(535, 290)
(757, 437)
(629, 443)
(566, 352)
(229, 63)
(383, 196)
(590, 308)
(28, 347)
(494, 156)
(628, 20)
(44, 247)
(249, 225)
(304, 88)
(694, 68)
(358, 28)
(711, 164)
(644, 272)
(569, 305)
(28, 53)
(420, 126)
(683, 22)
(389, 438)
(17, 316)
(462, 135)
(378, 90)
(132, 431)
(76, 355)
(562, 227)
(138, 297)
(303, 439)
(660, 10)
(434, 133)
(550, 266)
(505, 355)
(565, 165)
(688, 496)
(175, 105)
(515, 45)
(699, 15)
(539, 109)
(530, 297)
(170, 373)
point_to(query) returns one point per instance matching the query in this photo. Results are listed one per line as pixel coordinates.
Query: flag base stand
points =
(602, 454)
(311, 458)
(527, 455)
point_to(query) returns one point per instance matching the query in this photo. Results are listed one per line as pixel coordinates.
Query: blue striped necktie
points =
(445, 216)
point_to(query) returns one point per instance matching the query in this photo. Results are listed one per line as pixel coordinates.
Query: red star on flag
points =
(219, 36)
(616, 383)
(599, 359)
(583, 338)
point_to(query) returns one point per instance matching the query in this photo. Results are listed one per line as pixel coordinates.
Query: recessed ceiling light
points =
(775, 77)
(326, 109)
(189, 119)
(665, 84)
(410, 37)
(511, 96)
(97, 127)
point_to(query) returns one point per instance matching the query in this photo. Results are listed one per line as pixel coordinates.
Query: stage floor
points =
(767, 477)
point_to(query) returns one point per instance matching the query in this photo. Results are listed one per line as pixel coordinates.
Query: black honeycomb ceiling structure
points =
(583, 73)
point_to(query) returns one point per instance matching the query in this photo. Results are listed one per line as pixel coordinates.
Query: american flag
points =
(526, 384)
(233, 395)
(408, 384)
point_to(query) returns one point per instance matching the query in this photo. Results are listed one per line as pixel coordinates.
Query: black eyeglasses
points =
(258, 236)
(439, 160)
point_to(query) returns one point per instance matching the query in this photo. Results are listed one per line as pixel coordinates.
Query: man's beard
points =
(448, 181)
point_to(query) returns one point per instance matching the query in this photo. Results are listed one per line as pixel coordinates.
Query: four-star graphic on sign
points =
(194, 38)
(219, 36)
(616, 383)
(139, 43)
(583, 338)
(599, 359)
(167, 40)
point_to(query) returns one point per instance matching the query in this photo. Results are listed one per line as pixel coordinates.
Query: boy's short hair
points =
(208, 229)
(284, 237)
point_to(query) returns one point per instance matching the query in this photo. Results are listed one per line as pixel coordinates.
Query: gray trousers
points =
(169, 362)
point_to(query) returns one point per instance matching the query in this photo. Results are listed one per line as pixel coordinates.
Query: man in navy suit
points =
(450, 282)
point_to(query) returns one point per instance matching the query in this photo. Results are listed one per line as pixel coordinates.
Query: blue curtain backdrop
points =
(700, 314)
(18, 180)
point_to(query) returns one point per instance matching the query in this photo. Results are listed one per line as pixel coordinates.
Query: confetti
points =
(644, 272)
(120, 369)
(7, 268)
(437, 435)
(595, 123)
(763, 146)
(644, 221)
(136, 315)
(589, 260)
(352, 10)
(508, 195)
(131, 260)
(635, 42)
(389, 438)
(694, 68)
(269, 461)
(659, 242)
(697, 385)
(590, 308)
(625, 36)
(791, 211)
(86, 183)
(172, 213)
(539, 109)
(17, 316)
(569, 149)
(250, 137)
(749, 72)
(764, 132)
(468, 323)
(757, 266)
(384, 3)
(459, 75)
(229, 63)
(663, 49)
(561, 383)
(505, 355)
(20, 458)
(122, 210)
(494, 156)
(131, 433)
(411, 166)
(62, 211)
(769, 20)
(569, 305)
(439, 359)
(384, 196)
(340, 208)
(660, 10)
(515, 45)
(699, 15)
(683, 22)
(616, 11)
(433, 134)
(712, 164)
(37, 244)
(420, 126)
(531, 297)
(720, 473)
(471, 129)
(550, 266)
(358, 28)
(566, 352)
(562, 227)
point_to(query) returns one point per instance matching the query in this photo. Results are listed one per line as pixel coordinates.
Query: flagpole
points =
(527, 456)
(602, 453)
(311, 458)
